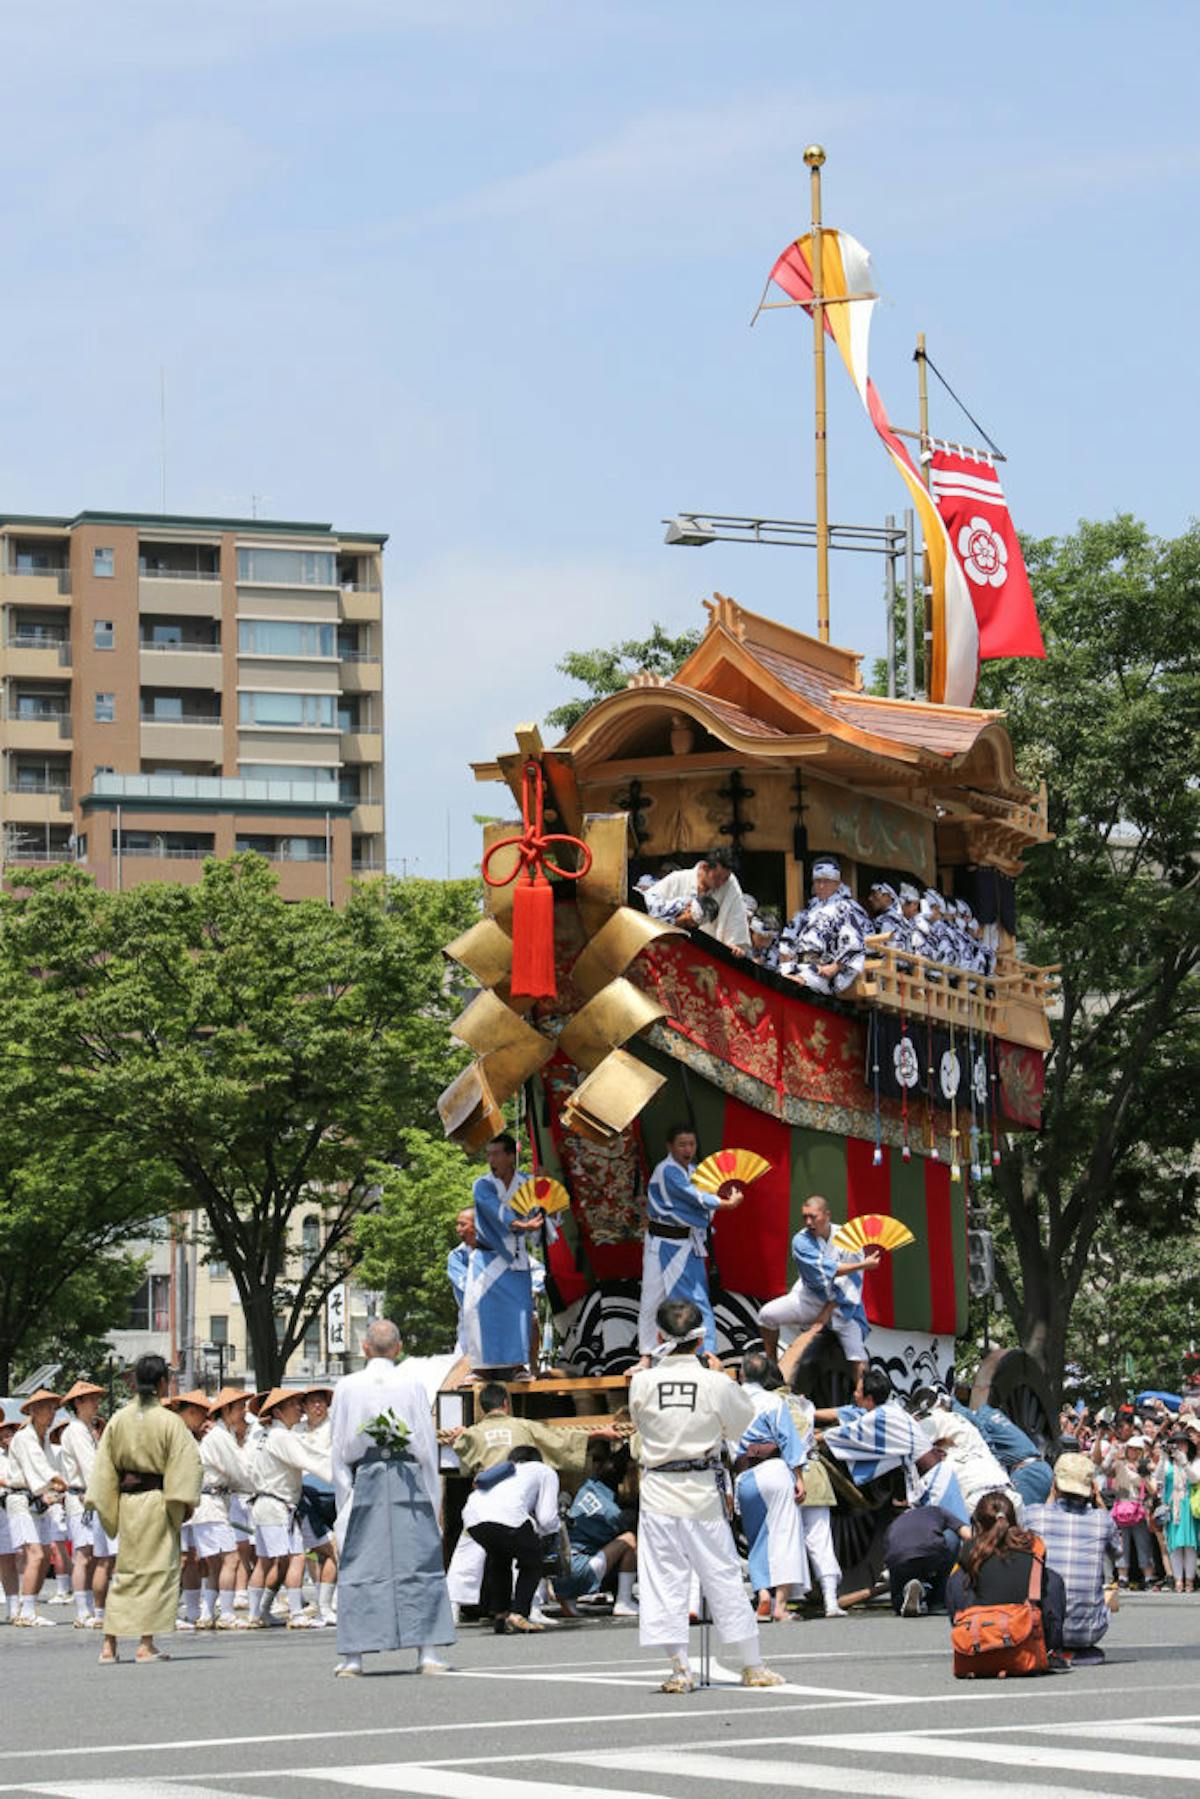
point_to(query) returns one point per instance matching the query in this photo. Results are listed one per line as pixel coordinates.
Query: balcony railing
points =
(61, 788)
(220, 789)
(174, 853)
(356, 656)
(180, 718)
(60, 575)
(359, 587)
(36, 715)
(51, 855)
(178, 574)
(36, 640)
(359, 730)
(176, 649)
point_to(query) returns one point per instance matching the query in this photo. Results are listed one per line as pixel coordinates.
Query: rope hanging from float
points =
(533, 973)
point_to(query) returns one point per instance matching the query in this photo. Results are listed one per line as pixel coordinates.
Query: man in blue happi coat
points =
(498, 1303)
(678, 1215)
(828, 1290)
(458, 1269)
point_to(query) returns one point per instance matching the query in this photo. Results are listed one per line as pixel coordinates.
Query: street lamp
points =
(689, 531)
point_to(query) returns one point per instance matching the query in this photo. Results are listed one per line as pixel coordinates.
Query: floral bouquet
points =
(387, 1432)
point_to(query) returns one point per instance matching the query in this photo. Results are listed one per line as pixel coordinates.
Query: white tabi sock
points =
(295, 1601)
(325, 1593)
(208, 1594)
(81, 1604)
(829, 1590)
(625, 1588)
(14, 1604)
(678, 1653)
(62, 1585)
(225, 1600)
(191, 1604)
(256, 1599)
(28, 1607)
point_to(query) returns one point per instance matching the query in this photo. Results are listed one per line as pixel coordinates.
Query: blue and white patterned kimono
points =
(871, 1443)
(766, 1495)
(498, 1302)
(674, 1267)
(824, 931)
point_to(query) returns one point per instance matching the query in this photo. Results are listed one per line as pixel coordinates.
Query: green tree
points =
(608, 671)
(405, 1241)
(1111, 721)
(269, 1056)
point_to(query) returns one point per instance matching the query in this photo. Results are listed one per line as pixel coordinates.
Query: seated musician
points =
(714, 875)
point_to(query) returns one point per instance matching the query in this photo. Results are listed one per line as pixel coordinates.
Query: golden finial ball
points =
(814, 156)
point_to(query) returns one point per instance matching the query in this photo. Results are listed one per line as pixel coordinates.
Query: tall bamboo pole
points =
(923, 427)
(814, 156)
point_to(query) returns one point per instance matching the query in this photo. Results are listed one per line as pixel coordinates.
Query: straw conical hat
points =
(195, 1397)
(276, 1396)
(319, 1387)
(41, 1397)
(228, 1396)
(82, 1389)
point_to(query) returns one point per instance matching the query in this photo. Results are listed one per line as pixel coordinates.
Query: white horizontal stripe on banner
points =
(980, 483)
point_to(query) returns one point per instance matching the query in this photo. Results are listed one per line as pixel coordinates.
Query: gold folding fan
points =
(872, 1230)
(729, 1168)
(540, 1194)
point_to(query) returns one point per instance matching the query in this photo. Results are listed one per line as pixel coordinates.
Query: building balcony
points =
(180, 664)
(213, 791)
(36, 587)
(180, 595)
(27, 805)
(192, 737)
(28, 653)
(37, 731)
(361, 674)
(362, 743)
(360, 605)
(366, 820)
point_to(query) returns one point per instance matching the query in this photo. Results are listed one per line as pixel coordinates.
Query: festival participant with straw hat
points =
(37, 1485)
(318, 1507)
(192, 1407)
(77, 1453)
(144, 1486)
(277, 1466)
(10, 1573)
(226, 1477)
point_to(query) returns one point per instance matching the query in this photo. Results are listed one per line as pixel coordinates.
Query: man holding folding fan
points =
(829, 1289)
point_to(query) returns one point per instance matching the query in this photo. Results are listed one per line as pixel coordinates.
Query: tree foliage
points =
(265, 1057)
(405, 1241)
(1111, 721)
(608, 671)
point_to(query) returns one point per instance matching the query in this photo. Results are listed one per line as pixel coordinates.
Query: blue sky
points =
(479, 273)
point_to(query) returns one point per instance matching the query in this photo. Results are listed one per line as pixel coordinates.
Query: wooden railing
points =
(1013, 1002)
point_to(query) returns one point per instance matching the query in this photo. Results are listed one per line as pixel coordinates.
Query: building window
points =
(285, 637)
(150, 1307)
(310, 773)
(310, 1240)
(102, 768)
(283, 849)
(218, 1270)
(102, 634)
(218, 1327)
(289, 711)
(102, 562)
(288, 568)
(106, 708)
(312, 1341)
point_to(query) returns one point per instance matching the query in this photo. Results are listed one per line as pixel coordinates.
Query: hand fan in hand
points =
(540, 1194)
(873, 1231)
(729, 1168)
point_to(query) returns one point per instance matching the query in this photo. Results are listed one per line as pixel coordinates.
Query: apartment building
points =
(177, 687)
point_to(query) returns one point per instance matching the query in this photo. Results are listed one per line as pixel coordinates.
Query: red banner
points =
(975, 513)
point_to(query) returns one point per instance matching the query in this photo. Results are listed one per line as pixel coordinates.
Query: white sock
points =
(225, 1603)
(625, 1588)
(325, 1593)
(90, 1601)
(295, 1601)
(14, 1604)
(81, 1604)
(256, 1599)
(747, 1654)
(62, 1585)
(350, 1661)
(678, 1653)
(829, 1588)
(208, 1594)
(427, 1653)
(28, 1608)
(191, 1604)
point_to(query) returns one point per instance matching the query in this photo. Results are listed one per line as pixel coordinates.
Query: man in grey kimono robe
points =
(391, 1582)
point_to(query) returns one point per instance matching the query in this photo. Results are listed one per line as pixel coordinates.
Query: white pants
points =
(1183, 1564)
(669, 1551)
(464, 1576)
(818, 1540)
(215, 1538)
(79, 1528)
(277, 1539)
(818, 983)
(801, 1308)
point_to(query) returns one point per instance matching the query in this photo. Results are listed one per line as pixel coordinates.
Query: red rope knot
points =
(533, 897)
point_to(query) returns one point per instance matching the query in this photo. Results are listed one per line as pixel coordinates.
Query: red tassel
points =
(533, 939)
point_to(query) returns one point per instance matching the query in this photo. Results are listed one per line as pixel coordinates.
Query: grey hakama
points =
(391, 1581)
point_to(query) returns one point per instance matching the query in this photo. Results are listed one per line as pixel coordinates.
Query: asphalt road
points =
(870, 1708)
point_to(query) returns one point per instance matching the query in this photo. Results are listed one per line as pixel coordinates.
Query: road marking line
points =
(827, 1777)
(1032, 1755)
(443, 1783)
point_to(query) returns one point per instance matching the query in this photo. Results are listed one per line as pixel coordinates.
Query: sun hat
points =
(178, 1400)
(277, 1396)
(82, 1389)
(1075, 1474)
(228, 1396)
(41, 1397)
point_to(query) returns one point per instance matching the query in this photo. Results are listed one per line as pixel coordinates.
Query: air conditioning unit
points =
(981, 1263)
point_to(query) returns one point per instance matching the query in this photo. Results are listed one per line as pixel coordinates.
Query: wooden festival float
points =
(896, 1098)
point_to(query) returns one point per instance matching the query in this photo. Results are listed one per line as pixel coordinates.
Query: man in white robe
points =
(712, 875)
(413, 1609)
(684, 1408)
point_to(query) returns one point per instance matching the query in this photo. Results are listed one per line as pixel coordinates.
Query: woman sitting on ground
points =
(996, 1567)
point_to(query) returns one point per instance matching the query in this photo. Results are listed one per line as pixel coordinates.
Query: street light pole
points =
(814, 156)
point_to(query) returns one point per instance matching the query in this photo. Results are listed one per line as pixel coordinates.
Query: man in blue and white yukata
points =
(829, 1289)
(823, 946)
(673, 1259)
(769, 1460)
(458, 1269)
(497, 1318)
